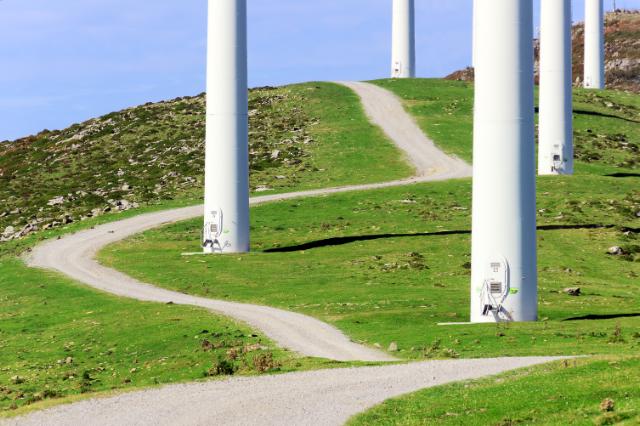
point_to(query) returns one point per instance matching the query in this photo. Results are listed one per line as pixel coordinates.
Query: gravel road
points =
(73, 255)
(385, 110)
(325, 397)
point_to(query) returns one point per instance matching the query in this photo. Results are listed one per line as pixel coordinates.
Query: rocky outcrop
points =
(622, 53)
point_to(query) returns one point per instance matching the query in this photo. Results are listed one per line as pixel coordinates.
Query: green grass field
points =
(399, 265)
(302, 136)
(47, 319)
(606, 123)
(59, 339)
(384, 266)
(348, 149)
(563, 393)
(388, 265)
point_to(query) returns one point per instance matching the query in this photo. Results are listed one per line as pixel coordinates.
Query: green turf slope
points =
(564, 393)
(59, 339)
(304, 136)
(386, 266)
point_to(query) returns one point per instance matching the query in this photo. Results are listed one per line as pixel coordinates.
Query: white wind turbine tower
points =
(504, 265)
(403, 56)
(594, 77)
(555, 155)
(226, 204)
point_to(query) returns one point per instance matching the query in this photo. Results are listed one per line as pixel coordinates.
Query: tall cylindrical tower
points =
(504, 265)
(226, 210)
(594, 45)
(556, 120)
(403, 57)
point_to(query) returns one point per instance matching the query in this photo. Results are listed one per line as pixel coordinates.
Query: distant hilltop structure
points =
(622, 53)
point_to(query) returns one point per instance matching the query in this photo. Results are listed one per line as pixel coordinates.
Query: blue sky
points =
(70, 60)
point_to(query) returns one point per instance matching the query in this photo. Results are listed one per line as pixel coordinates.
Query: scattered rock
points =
(253, 348)
(615, 251)
(124, 205)
(262, 188)
(393, 347)
(68, 360)
(207, 345)
(573, 291)
(56, 201)
(66, 219)
(607, 405)
(16, 380)
(233, 354)
(8, 231)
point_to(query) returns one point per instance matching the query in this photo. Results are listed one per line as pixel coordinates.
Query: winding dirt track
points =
(321, 397)
(317, 398)
(74, 254)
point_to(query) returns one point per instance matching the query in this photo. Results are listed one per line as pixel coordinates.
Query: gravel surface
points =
(326, 397)
(320, 397)
(73, 255)
(385, 109)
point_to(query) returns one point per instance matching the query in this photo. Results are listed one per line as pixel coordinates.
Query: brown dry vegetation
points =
(622, 53)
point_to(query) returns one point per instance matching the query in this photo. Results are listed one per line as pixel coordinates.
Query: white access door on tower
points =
(555, 156)
(403, 44)
(504, 265)
(226, 198)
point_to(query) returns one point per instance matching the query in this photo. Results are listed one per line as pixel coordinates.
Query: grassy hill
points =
(61, 340)
(302, 137)
(384, 266)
